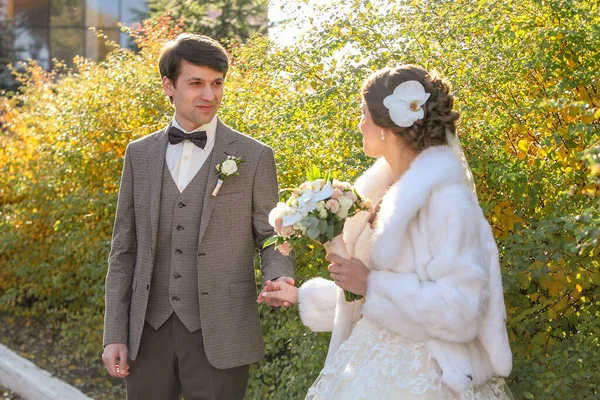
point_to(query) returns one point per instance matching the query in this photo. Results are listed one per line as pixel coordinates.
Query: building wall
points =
(47, 29)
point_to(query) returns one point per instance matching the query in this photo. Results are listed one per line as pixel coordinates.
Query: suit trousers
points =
(172, 361)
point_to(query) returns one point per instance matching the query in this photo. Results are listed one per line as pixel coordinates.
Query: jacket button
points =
(178, 251)
(176, 275)
(201, 254)
(179, 228)
(181, 205)
(175, 298)
(147, 286)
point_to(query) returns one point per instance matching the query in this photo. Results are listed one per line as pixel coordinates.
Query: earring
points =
(382, 135)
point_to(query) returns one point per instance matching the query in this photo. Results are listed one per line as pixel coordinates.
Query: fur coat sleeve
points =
(445, 298)
(316, 303)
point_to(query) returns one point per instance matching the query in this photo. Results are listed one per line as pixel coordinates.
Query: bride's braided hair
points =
(426, 132)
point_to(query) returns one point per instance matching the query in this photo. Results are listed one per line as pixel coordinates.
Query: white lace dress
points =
(375, 363)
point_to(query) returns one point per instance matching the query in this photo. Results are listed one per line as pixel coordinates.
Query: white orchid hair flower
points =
(406, 103)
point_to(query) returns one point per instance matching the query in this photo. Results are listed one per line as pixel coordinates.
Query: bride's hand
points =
(280, 292)
(349, 274)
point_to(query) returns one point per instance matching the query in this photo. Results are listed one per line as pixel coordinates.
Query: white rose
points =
(323, 214)
(320, 206)
(229, 167)
(299, 227)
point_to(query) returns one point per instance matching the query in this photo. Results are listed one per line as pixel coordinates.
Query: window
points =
(47, 29)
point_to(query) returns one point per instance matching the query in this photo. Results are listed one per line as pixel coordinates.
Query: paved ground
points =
(6, 394)
(32, 382)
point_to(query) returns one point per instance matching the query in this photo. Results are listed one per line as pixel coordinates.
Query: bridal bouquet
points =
(317, 209)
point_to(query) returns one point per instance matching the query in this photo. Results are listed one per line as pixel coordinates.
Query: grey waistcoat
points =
(174, 286)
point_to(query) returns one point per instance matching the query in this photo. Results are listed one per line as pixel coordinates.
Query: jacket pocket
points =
(242, 289)
(230, 192)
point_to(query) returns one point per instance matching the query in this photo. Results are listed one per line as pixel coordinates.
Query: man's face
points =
(196, 95)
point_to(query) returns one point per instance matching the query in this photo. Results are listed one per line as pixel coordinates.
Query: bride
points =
(431, 324)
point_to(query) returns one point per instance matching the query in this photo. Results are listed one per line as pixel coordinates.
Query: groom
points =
(181, 315)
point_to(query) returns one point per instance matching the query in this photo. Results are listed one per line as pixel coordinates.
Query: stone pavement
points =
(23, 377)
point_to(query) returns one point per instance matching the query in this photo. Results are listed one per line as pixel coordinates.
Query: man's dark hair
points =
(196, 49)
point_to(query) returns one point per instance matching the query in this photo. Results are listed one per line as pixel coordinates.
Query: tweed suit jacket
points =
(233, 224)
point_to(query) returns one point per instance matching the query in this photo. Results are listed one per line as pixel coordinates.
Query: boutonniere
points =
(226, 168)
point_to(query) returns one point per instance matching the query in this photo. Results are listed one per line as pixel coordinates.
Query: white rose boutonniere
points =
(226, 168)
(229, 167)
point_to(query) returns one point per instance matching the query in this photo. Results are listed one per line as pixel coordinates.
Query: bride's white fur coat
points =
(435, 274)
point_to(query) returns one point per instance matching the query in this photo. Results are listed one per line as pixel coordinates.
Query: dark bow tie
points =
(177, 136)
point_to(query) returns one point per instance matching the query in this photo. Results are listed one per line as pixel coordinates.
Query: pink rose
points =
(287, 231)
(337, 184)
(304, 185)
(341, 185)
(332, 205)
(337, 193)
(351, 195)
(278, 225)
(285, 248)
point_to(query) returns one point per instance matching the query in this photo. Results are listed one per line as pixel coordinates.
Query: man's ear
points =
(168, 86)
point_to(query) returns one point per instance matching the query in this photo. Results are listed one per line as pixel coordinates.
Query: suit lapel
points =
(156, 162)
(223, 139)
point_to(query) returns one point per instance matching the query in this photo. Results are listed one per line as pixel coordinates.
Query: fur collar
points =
(434, 167)
(374, 182)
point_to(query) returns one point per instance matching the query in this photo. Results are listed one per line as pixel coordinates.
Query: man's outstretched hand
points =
(280, 292)
(272, 286)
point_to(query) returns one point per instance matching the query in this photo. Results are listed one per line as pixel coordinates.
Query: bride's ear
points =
(386, 133)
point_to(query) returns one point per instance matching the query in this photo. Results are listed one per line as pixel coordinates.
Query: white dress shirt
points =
(185, 159)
